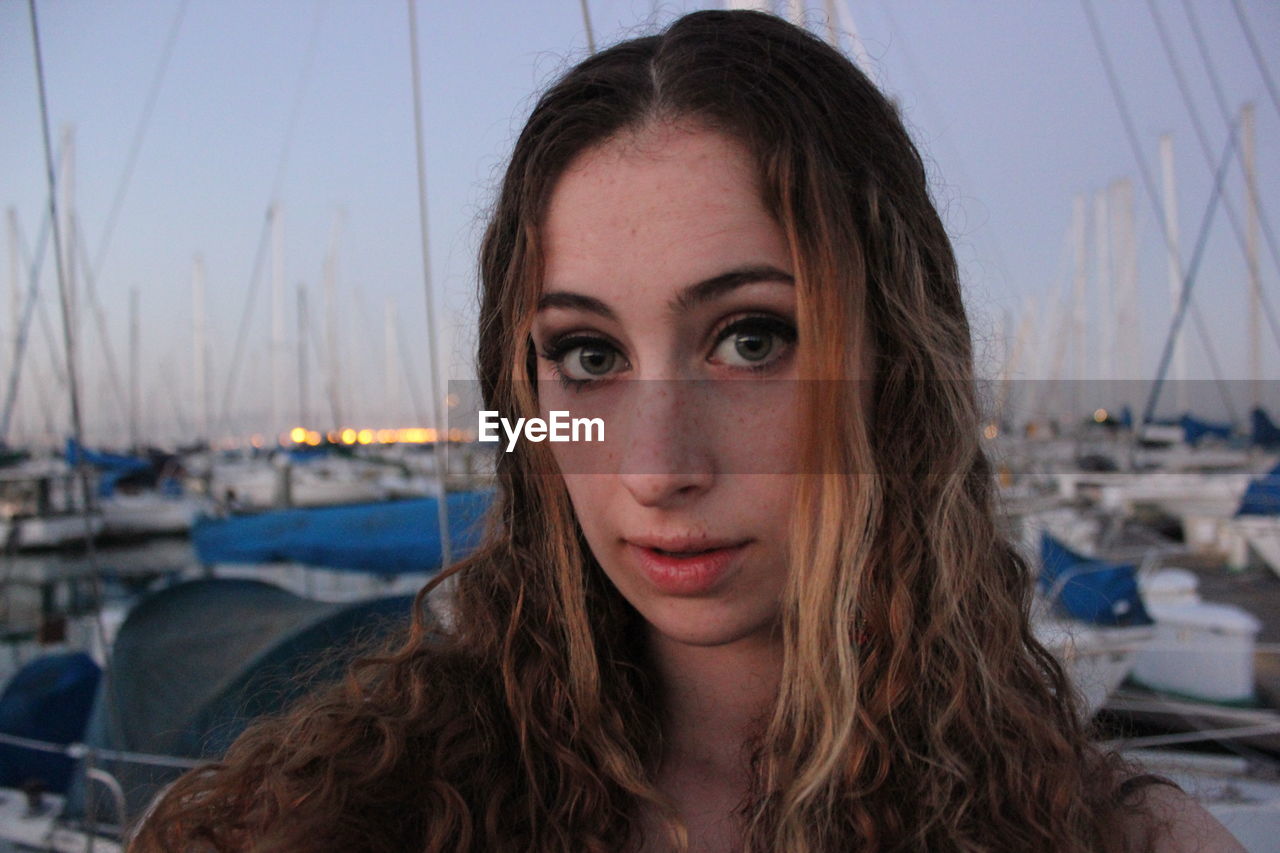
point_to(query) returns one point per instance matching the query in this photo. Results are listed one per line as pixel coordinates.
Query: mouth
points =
(685, 567)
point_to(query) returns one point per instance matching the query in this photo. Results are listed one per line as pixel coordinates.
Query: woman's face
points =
(669, 311)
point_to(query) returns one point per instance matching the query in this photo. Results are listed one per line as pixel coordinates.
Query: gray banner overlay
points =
(757, 426)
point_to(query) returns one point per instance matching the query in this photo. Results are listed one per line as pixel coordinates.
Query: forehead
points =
(665, 204)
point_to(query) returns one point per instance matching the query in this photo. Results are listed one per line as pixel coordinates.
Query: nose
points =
(667, 460)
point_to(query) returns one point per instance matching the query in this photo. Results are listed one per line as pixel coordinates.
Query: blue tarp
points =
(113, 467)
(386, 537)
(48, 700)
(1095, 591)
(1194, 430)
(105, 461)
(1264, 431)
(1263, 495)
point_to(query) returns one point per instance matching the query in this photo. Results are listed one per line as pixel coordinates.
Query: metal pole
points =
(442, 432)
(1251, 254)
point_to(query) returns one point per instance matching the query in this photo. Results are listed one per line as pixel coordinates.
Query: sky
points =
(309, 104)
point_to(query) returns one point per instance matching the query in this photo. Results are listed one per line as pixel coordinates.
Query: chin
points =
(708, 630)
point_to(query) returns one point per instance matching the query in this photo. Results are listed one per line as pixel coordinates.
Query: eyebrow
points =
(694, 294)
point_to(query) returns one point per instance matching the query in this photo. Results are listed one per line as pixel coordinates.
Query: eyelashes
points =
(751, 344)
(754, 342)
(579, 359)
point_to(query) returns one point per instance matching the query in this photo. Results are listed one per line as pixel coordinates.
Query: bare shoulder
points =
(1173, 822)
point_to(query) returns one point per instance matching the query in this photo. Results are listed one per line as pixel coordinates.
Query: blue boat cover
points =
(1265, 432)
(1263, 495)
(194, 664)
(384, 537)
(1095, 591)
(112, 467)
(1194, 429)
(48, 700)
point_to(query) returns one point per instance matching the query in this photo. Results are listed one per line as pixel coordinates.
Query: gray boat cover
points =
(192, 665)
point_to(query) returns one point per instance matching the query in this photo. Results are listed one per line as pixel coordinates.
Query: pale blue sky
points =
(1008, 101)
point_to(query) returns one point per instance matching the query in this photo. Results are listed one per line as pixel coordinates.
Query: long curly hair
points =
(916, 709)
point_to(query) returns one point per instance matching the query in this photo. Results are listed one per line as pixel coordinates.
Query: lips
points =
(684, 566)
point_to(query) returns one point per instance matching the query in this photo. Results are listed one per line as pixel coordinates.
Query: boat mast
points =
(71, 297)
(1077, 301)
(1127, 353)
(199, 354)
(277, 320)
(304, 408)
(332, 373)
(1175, 263)
(134, 363)
(1106, 295)
(1251, 254)
(15, 298)
(435, 392)
(390, 409)
(586, 25)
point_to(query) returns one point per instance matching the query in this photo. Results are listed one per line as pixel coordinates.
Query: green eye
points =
(593, 360)
(754, 342)
(579, 360)
(753, 346)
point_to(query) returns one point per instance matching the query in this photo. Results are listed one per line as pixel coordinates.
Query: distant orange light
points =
(298, 435)
(1100, 416)
(365, 436)
(348, 436)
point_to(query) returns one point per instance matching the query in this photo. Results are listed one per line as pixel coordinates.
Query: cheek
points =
(755, 426)
(589, 495)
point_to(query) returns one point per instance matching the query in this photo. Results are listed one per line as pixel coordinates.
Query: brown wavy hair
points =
(916, 709)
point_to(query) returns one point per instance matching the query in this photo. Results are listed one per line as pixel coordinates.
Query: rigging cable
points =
(1263, 219)
(144, 121)
(304, 75)
(1147, 182)
(91, 270)
(100, 321)
(1184, 297)
(246, 317)
(1257, 55)
(1203, 137)
(255, 275)
(24, 325)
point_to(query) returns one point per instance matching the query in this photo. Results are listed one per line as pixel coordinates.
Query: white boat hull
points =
(1260, 535)
(54, 531)
(149, 514)
(1097, 659)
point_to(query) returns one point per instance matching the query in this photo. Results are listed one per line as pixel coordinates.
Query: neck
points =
(715, 697)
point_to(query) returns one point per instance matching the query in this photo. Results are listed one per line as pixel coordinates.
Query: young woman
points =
(772, 611)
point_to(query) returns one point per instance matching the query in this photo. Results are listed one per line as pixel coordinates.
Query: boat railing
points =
(89, 758)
